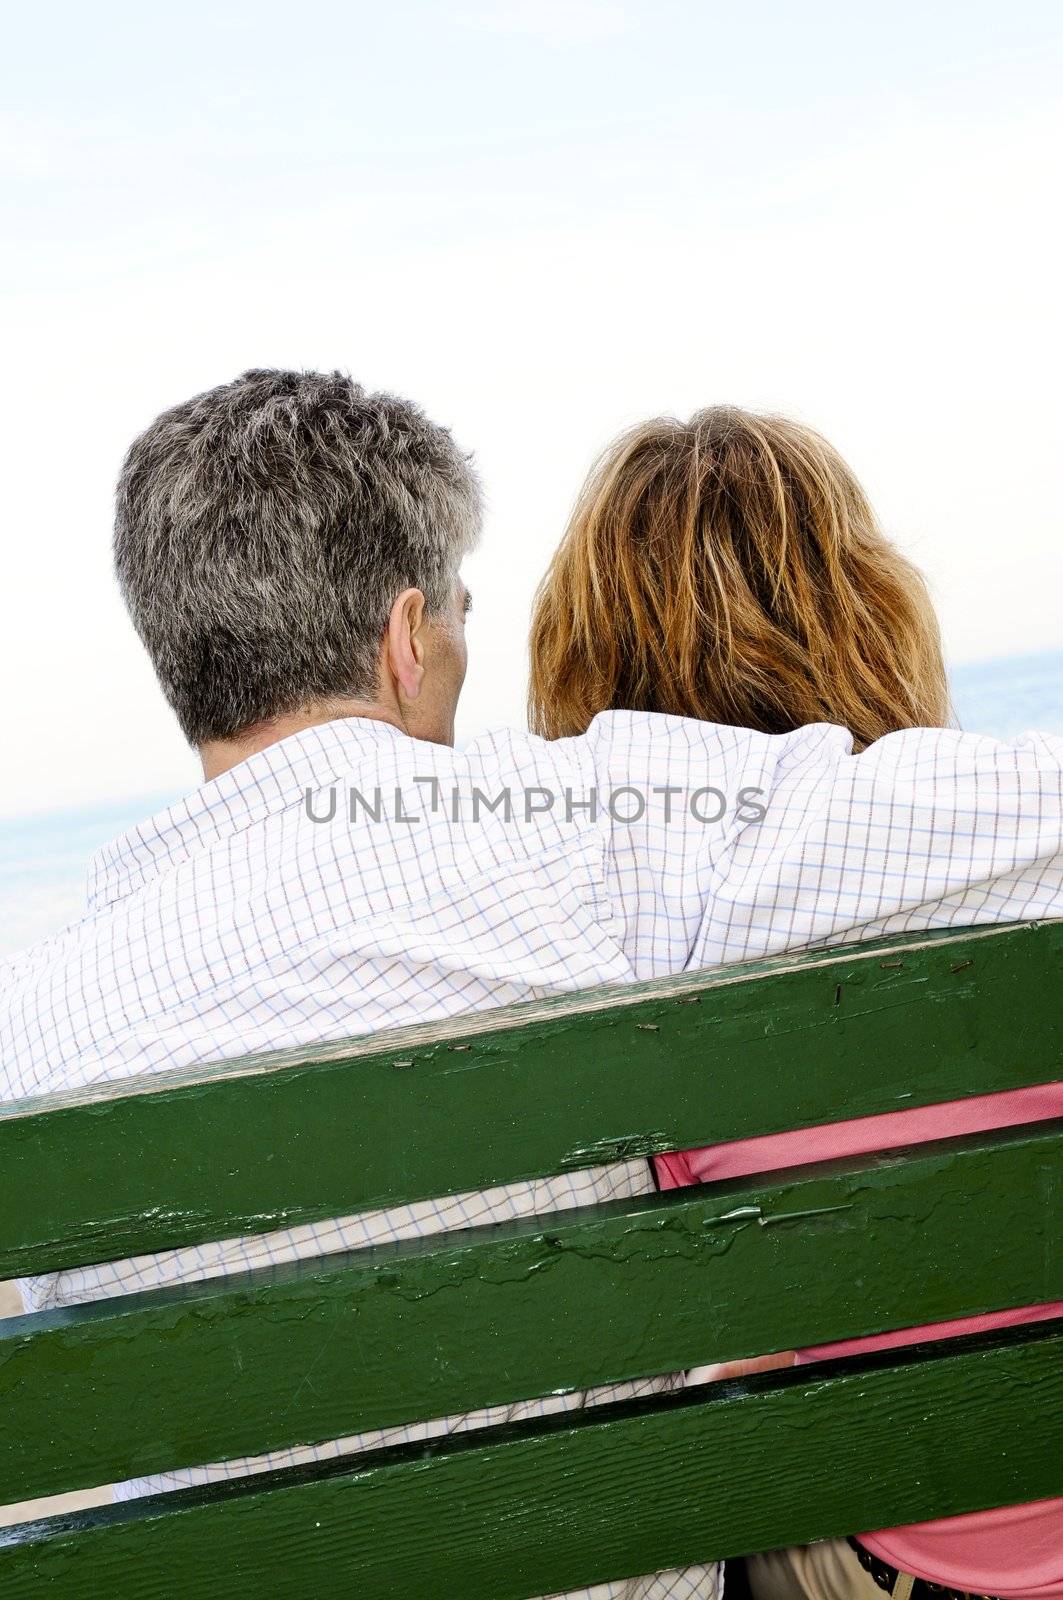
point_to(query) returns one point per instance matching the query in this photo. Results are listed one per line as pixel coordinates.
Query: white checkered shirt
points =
(236, 922)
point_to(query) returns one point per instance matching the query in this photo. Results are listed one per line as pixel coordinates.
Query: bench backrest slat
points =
(400, 1334)
(182, 1158)
(783, 1458)
(320, 1350)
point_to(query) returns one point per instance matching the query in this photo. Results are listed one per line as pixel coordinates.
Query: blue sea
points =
(43, 860)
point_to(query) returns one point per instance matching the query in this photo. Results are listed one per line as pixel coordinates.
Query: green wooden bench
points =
(322, 1349)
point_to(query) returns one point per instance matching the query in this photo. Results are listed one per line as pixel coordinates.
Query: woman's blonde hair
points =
(730, 568)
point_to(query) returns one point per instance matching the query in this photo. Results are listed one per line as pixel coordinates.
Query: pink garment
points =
(1016, 1551)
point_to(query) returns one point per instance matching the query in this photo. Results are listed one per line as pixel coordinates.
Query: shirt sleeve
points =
(789, 841)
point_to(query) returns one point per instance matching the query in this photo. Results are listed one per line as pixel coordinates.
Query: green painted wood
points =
(616, 1491)
(499, 1096)
(323, 1349)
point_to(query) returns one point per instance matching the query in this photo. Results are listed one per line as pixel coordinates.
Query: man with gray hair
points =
(234, 552)
(289, 548)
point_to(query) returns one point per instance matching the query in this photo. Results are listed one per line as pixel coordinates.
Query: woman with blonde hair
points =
(731, 569)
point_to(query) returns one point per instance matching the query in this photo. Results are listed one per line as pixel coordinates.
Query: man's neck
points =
(218, 755)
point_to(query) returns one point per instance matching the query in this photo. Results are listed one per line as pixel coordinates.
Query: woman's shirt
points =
(1015, 1551)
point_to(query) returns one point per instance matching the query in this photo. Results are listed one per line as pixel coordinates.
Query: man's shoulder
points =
(32, 962)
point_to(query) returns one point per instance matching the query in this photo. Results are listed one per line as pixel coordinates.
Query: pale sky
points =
(543, 221)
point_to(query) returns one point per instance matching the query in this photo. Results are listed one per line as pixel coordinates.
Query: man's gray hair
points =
(263, 531)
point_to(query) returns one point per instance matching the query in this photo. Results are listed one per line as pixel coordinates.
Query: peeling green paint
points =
(246, 1146)
(329, 1346)
(450, 1323)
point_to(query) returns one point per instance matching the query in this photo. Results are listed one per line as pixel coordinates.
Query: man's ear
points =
(404, 643)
